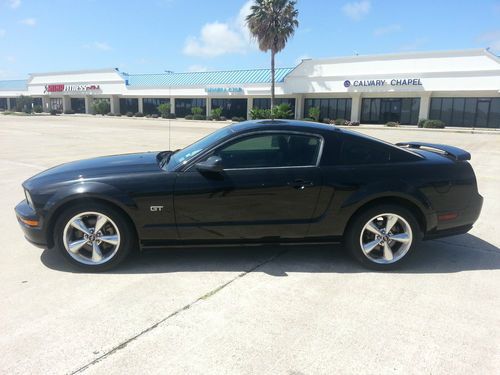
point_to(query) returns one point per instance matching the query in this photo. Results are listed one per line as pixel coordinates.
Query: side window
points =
(270, 150)
(361, 152)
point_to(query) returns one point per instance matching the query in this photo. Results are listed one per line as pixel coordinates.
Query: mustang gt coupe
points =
(255, 182)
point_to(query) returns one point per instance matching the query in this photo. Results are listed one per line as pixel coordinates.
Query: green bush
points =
(164, 109)
(238, 119)
(435, 124)
(7, 112)
(421, 122)
(197, 111)
(139, 114)
(308, 119)
(54, 112)
(38, 109)
(189, 117)
(340, 121)
(260, 114)
(223, 118)
(100, 107)
(110, 114)
(117, 114)
(353, 123)
(24, 104)
(326, 121)
(216, 113)
(129, 114)
(155, 115)
(199, 117)
(392, 124)
(69, 112)
(314, 113)
(282, 111)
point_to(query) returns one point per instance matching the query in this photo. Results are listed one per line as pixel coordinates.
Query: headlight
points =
(28, 198)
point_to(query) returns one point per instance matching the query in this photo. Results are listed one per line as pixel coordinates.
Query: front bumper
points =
(34, 234)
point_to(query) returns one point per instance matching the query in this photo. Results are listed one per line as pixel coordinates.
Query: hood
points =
(105, 166)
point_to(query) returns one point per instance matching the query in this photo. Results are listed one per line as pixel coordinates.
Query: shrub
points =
(327, 121)
(7, 112)
(100, 107)
(223, 118)
(69, 112)
(117, 114)
(237, 119)
(340, 121)
(216, 113)
(282, 111)
(199, 117)
(260, 114)
(110, 114)
(189, 117)
(24, 104)
(139, 114)
(392, 124)
(314, 113)
(436, 124)
(164, 109)
(54, 112)
(38, 109)
(197, 111)
(170, 115)
(129, 114)
(353, 123)
(421, 122)
(309, 119)
(155, 115)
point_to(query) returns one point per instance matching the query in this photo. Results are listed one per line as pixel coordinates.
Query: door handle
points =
(300, 184)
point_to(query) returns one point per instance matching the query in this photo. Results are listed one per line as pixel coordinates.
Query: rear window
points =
(358, 151)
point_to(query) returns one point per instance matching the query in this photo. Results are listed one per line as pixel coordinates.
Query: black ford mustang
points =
(255, 182)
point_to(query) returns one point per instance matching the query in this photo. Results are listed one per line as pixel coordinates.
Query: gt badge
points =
(156, 208)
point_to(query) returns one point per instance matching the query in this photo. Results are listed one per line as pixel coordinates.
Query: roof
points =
(277, 124)
(206, 78)
(14, 85)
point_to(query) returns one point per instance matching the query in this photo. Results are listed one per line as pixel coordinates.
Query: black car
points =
(268, 181)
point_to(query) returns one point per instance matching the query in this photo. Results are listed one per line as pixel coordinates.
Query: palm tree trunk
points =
(272, 79)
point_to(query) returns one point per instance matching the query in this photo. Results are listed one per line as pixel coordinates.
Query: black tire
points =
(126, 232)
(352, 238)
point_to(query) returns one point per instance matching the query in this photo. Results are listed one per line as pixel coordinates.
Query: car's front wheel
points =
(93, 236)
(383, 237)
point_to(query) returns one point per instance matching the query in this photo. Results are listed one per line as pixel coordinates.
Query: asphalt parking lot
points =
(279, 310)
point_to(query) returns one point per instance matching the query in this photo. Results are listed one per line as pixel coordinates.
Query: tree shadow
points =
(453, 254)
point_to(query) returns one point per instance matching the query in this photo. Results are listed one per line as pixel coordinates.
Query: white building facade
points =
(461, 88)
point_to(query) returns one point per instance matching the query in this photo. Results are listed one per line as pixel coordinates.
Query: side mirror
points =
(212, 164)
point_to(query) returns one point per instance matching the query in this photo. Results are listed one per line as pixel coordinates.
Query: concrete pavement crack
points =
(176, 312)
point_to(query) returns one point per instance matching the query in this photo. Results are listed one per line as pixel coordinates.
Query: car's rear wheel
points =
(383, 237)
(93, 236)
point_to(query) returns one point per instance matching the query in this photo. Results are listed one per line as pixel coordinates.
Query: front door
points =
(391, 110)
(267, 190)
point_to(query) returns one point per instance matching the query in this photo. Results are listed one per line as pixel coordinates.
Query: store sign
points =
(384, 82)
(71, 88)
(223, 89)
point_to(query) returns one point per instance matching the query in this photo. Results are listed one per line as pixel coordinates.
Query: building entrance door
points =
(390, 110)
(78, 105)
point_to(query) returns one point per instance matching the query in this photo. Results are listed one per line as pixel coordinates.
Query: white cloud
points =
(102, 46)
(387, 30)
(220, 38)
(28, 21)
(14, 3)
(197, 68)
(490, 39)
(357, 9)
(2, 32)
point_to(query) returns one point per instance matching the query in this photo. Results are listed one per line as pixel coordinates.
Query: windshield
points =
(181, 157)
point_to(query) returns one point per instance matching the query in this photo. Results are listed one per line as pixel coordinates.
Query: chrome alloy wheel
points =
(386, 238)
(91, 238)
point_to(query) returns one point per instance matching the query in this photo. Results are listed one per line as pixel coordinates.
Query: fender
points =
(89, 190)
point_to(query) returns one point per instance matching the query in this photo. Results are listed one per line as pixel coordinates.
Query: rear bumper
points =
(34, 234)
(462, 224)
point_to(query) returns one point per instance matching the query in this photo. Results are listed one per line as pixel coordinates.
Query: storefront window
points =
(383, 110)
(331, 108)
(470, 112)
(3, 104)
(150, 105)
(183, 106)
(265, 103)
(129, 105)
(231, 107)
(78, 105)
(56, 104)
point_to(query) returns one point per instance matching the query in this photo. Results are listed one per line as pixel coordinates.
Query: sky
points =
(151, 36)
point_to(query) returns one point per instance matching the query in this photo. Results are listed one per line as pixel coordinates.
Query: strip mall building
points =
(461, 88)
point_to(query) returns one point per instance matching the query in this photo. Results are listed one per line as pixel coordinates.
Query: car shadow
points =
(453, 254)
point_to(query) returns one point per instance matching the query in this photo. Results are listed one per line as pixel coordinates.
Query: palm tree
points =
(272, 22)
